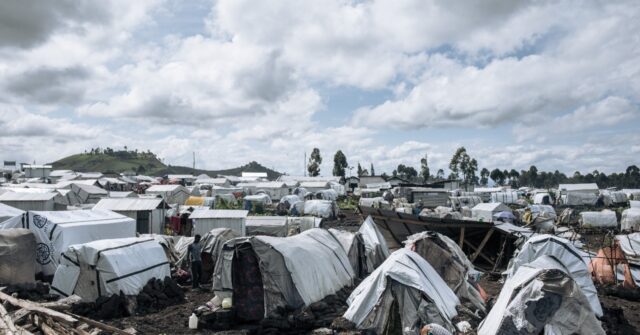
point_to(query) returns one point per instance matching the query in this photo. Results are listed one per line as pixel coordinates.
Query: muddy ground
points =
(622, 316)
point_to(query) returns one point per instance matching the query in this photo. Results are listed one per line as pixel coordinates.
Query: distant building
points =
(37, 171)
(370, 180)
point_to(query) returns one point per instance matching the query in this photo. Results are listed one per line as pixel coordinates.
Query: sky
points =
(554, 84)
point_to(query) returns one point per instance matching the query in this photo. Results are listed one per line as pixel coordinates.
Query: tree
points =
(484, 177)
(373, 172)
(514, 176)
(314, 163)
(359, 170)
(405, 172)
(339, 164)
(497, 176)
(424, 169)
(454, 164)
(440, 174)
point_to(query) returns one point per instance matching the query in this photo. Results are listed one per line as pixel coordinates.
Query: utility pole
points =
(304, 165)
(194, 160)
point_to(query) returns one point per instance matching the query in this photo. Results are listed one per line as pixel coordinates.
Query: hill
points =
(109, 161)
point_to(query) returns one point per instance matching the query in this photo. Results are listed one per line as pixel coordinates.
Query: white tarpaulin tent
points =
(107, 267)
(56, 231)
(505, 197)
(603, 219)
(353, 245)
(421, 296)
(10, 217)
(321, 208)
(566, 254)
(206, 219)
(17, 256)
(541, 297)
(486, 211)
(292, 272)
(376, 249)
(634, 203)
(267, 225)
(630, 219)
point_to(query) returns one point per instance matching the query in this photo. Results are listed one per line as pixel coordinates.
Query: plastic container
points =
(226, 303)
(193, 321)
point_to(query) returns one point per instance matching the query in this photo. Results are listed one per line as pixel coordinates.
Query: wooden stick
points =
(481, 246)
(60, 317)
(7, 322)
(101, 325)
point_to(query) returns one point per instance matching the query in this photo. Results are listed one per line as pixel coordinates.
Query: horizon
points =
(554, 85)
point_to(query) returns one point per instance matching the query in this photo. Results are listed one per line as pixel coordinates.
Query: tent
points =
(11, 217)
(486, 211)
(264, 273)
(86, 194)
(630, 219)
(619, 264)
(17, 256)
(200, 201)
(267, 225)
(402, 295)
(505, 197)
(353, 245)
(541, 297)
(376, 249)
(464, 201)
(206, 219)
(172, 194)
(56, 231)
(149, 213)
(257, 202)
(565, 254)
(453, 266)
(330, 194)
(603, 219)
(321, 208)
(48, 201)
(542, 199)
(108, 267)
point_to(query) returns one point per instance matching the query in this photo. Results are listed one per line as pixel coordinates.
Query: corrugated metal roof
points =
(219, 214)
(129, 204)
(13, 196)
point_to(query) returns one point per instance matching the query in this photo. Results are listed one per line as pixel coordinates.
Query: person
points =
(194, 254)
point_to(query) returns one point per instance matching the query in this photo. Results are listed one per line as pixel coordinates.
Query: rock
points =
(322, 331)
(319, 306)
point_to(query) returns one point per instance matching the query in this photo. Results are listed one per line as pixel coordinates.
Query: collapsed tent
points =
(453, 266)
(402, 295)
(603, 219)
(353, 245)
(108, 267)
(17, 256)
(56, 231)
(541, 296)
(565, 254)
(264, 273)
(376, 249)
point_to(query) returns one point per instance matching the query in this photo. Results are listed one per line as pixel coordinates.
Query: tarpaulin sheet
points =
(376, 248)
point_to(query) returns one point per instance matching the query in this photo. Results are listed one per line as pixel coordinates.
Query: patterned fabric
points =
(248, 292)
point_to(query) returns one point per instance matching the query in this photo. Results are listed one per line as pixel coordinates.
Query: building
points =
(37, 171)
(52, 201)
(368, 180)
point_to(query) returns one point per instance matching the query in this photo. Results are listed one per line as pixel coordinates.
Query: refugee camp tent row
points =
(149, 213)
(204, 220)
(264, 273)
(401, 296)
(110, 266)
(55, 231)
(34, 201)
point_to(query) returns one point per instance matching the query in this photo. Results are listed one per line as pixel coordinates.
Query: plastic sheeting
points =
(505, 197)
(267, 225)
(376, 249)
(327, 195)
(634, 203)
(464, 201)
(485, 212)
(10, 217)
(353, 245)
(578, 199)
(17, 256)
(541, 296)
(630, 219)
(56, 231)
(262, 198)
(370, 303)
(377, 202)
(602, 219)
(118, 265)
(566, 254)
(452, 264)
(321, 208)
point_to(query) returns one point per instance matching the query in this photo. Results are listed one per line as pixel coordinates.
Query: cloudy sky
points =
(550, 83)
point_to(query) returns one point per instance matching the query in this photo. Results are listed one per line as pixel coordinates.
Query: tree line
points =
(121, 154)
(465, 168)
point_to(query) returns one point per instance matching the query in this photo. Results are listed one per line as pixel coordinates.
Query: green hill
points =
(147, 163)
